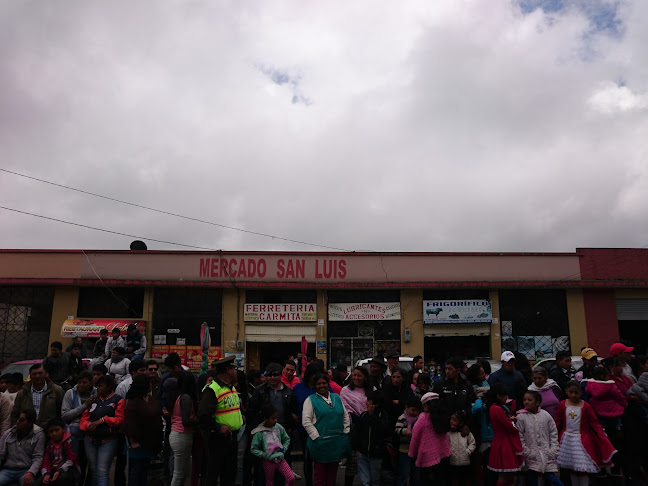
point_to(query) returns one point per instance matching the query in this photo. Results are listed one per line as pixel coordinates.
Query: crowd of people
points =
(385, 425)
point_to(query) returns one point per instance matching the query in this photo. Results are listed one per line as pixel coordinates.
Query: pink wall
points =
(601, 319)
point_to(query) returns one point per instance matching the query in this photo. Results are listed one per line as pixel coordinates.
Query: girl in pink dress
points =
(506, 448)
(584, 447)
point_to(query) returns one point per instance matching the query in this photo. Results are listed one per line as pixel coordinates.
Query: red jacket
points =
(605, 398)
(592, 435)
(290, 384)
(59, 457)
(623, 383)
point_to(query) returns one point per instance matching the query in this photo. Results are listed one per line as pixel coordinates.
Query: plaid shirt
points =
(37, 398)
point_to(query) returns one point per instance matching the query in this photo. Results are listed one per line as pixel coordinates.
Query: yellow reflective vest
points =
(228, 410)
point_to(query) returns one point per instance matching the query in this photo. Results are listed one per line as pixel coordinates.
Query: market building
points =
(343, 306)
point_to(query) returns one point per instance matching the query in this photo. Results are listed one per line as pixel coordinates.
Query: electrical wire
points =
(108, 231)
(169, 213)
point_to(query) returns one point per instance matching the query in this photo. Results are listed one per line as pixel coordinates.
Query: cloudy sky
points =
(458, 125)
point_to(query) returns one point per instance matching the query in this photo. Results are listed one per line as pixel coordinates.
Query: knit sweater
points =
(539, 438)
(426, 446)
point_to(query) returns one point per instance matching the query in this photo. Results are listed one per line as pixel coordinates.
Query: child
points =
(584, 447)
(404, 427)
(423, 383)
(270, 442)
(430, 445)
(462, 448)
(60, 464)
(539, 438)
(368, 439)
(480, 414)
(506, 449)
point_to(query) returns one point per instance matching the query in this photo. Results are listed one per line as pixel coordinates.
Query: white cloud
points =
(427, 126)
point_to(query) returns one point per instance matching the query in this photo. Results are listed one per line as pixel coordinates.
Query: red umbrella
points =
(304, 348)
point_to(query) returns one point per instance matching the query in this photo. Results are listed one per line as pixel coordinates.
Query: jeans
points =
(138, 471)
(369, 470)
(407, 470)
(181, 444)
(100, 459)
(11, 476)
(550, 478)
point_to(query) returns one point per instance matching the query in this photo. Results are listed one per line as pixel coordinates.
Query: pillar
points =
(412, 319)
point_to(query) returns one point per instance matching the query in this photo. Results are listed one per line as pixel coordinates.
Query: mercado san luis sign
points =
(260, 268)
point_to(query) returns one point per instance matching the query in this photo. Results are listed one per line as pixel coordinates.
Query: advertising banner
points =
(280, 313)
(190, 356)
(457, 311)
(159, 351)
(89, 328)
(379, 311)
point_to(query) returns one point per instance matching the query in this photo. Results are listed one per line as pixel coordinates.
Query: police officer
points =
(220, 417)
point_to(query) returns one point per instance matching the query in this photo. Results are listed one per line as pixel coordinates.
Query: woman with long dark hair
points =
(302, 391)
(143, 429)
(183, 424)
(354, 399)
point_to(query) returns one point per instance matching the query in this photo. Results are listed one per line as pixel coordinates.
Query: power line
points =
(108, 231)
(169, 213)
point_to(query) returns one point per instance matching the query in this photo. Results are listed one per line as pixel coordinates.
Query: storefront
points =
(276, 322)
(362, 324)
(343, 306)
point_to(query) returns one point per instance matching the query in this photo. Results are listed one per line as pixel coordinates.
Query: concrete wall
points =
(412, 319)
(577, 322)
(66, 301)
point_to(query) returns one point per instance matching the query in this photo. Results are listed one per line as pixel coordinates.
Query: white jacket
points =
(539, 438)
(462, 448)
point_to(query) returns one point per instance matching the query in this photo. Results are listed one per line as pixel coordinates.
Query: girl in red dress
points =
(584, 447)
(506, 448)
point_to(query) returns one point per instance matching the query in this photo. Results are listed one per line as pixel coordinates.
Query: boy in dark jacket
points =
(368, 438)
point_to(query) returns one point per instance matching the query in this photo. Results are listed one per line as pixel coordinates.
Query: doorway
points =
(275, 352)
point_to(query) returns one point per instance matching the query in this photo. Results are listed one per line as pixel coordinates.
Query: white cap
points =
(507, 356)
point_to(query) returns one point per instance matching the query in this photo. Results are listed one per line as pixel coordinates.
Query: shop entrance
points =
(261, 354)
(440, 348)
(634, 332)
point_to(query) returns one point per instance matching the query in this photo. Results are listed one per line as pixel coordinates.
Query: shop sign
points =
(190, 356)
(457, 311)
(280, 313)
(89, 328)
(379, 311)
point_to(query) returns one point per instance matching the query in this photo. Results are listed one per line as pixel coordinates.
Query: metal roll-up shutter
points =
(279, 334)
(440, 330)
(632, 309)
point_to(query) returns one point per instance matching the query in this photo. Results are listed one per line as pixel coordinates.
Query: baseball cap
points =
(588, 353)
(429, 396)
(507, 356)
(618, 348)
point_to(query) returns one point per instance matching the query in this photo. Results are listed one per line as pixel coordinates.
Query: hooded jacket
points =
(539, 437)
(370, 432)
(640, 388)
(605, 398)
(119, 368)
(59, 457)
(50, 404)
(264, 444)
(24, 454)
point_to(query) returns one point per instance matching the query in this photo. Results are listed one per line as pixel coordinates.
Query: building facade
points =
(264, 306)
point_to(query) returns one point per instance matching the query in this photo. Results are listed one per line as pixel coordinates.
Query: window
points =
(111, 302)
(25, 320)
(184, 310)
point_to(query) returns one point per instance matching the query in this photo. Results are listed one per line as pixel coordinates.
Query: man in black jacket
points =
(454, 391)
(273, 392)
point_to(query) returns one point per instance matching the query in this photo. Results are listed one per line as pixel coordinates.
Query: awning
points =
(279, 334)
(448, 330)
(89, 328)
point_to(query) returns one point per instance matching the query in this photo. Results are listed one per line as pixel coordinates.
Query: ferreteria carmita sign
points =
(280, 313)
